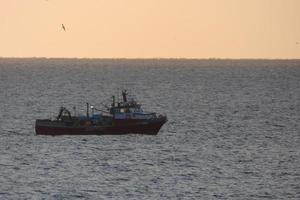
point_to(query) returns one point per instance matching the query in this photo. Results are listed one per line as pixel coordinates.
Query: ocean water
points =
(233, 130)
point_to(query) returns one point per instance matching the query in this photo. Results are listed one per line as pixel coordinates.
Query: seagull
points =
(63, 27)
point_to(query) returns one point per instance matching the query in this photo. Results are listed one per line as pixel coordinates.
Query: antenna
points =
(118, 95)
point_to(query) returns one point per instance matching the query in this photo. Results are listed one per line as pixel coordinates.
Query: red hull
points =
(152, 127)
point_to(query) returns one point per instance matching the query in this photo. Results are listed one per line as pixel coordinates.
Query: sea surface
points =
(233, 130)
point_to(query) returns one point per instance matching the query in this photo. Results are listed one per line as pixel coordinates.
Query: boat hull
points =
(118, 127)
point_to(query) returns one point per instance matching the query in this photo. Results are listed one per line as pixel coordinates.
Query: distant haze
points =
(150, 28)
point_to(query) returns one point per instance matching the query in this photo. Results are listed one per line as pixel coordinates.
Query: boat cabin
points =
(129, 109)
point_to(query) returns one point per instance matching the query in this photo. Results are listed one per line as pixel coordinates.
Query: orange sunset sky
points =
(150, 28)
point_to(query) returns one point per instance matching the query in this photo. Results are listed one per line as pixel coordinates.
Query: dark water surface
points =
(233, 130)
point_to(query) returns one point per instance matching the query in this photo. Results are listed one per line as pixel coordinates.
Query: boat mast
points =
(87, 111)
(124, 94)
(114, 101)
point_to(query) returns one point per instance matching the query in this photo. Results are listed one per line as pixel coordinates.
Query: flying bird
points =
(63, 27)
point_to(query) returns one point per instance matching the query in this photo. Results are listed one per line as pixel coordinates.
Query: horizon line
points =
(148, 58)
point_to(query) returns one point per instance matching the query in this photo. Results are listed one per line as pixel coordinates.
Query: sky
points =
(150, 28)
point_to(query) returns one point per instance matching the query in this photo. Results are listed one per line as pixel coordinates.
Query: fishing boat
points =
(122, 117)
